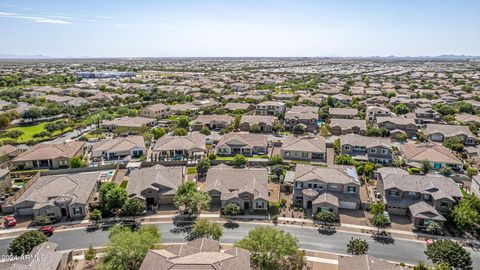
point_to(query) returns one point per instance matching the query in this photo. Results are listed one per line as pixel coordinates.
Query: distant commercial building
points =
(105, 74)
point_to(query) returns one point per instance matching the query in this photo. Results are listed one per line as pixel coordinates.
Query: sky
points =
(239, 28)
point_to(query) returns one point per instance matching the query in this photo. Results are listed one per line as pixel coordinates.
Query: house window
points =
(393, 193)
(77, 211)
(304, 154)
(373, 151)
(334, 186)
(309, 185)
(346, 147)
(412, 193)
(314, 185)
(351, 189)
(443, 204)
(259, 204)
(299, 185)
(384, 151)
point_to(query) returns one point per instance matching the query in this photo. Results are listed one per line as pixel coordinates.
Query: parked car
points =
(47, 230)
(132, 224)
(10, 221)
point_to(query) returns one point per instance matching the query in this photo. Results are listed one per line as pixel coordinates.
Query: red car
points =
(10, 221)
(47, 230)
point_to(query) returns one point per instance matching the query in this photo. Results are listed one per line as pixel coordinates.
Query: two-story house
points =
(157, 111)
(326, 188)
(213, 122)
(303, 115)
(347, 126)
(246, 144)
(264, 122)
(372, 112)
(245, 187)
(270, 108)
(424, 198)
(427, 115)
(373, 149)
(393, 124)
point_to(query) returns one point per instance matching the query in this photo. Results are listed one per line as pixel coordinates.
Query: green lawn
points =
(124, 184)
(28, 132)
(191, 170)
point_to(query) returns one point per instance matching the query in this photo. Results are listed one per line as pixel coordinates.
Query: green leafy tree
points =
(231, 209)
(277, 159)
(42, 220)
(299, 129)
(24, 243)
(207, 229)
(127, 249)
(15, 134)
(114, 199)
(426, 166)
(377, 208)
(254, 128)
(158, 133)
(239, 160)
(77, 162)
(450, 252)
(272, 249)
(471, 171)
(189, 200)
(466, 214)
(380, 221)
(357, 246)
(205, 131)
(95, 215)
(183, 122)
(326, 217)
(434, 228)
(133, 207)
(180, 132)
(202, 167)
(277, 170)
(454, 143)
(344, 160)
(401, 109)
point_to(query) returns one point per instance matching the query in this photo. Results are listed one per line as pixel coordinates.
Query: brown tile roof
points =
(433, 152)
(305, 144)
(51, 151)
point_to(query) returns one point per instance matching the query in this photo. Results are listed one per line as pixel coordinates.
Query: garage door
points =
(397, 210)
(25, 212)
(347, 205)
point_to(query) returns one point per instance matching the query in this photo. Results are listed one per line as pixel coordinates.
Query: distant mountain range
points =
(392, 57)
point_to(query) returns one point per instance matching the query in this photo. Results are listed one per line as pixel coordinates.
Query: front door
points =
(309, 205)
(246, 205)
(64, 212)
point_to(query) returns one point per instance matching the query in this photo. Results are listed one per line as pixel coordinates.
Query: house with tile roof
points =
(155, 185)
(310, 148)
(119, 148)
(246, 187)
(424, 198)
(373, 149)
(201, 253)
(49, 155)
(439, 133)
(189, 147)
(438, 155)
(58, 196)
(246, 144)
(326, 188)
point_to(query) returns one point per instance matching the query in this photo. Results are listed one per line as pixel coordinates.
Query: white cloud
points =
(35, 19)
(119, 25)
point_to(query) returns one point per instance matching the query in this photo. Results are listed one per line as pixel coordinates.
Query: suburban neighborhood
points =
(149, 143)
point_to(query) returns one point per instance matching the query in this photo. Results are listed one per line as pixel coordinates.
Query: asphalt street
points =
(309, 238)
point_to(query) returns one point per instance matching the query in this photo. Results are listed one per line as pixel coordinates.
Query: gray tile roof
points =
(366, 262)
(75, 188)
(357, 140)
(338, 174)
(348, 123)
(233, 181)
(448, 130)
(120, 144)
(246, 139)
(43, 151)
(164, 179)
